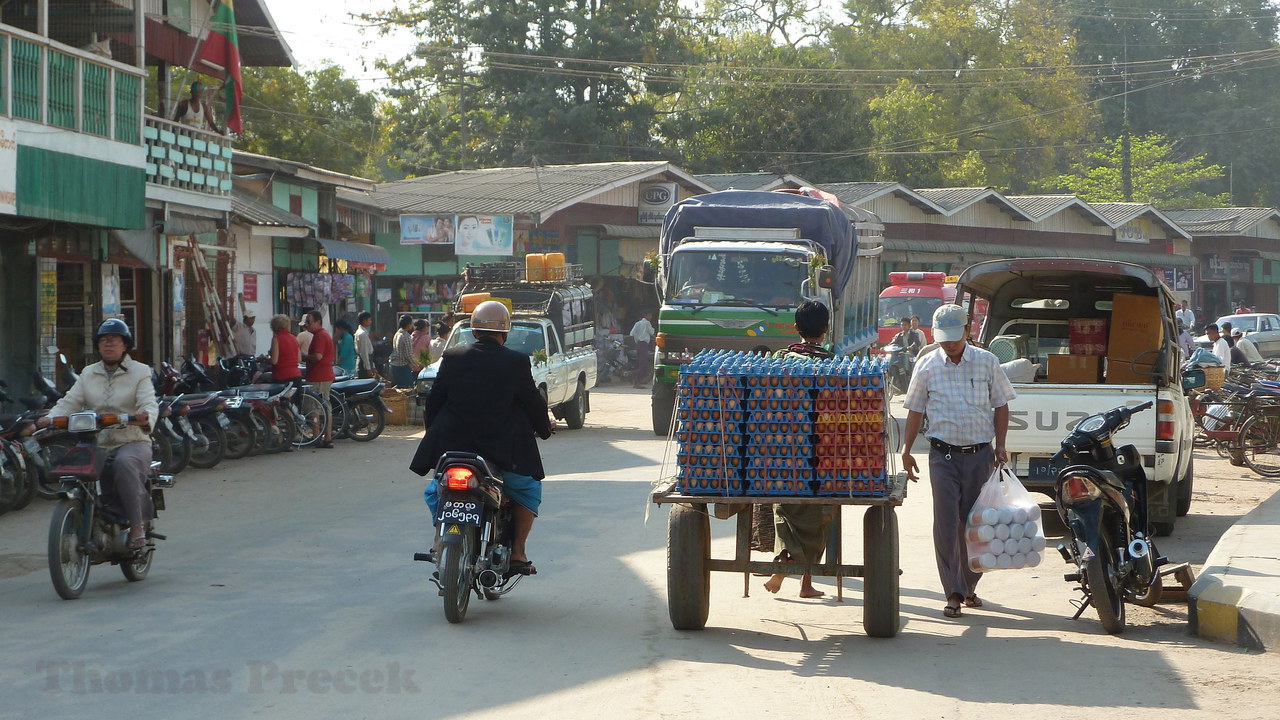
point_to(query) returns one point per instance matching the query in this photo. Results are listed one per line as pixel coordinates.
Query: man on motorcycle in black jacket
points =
(484, 401)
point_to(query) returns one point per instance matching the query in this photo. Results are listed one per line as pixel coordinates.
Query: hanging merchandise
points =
(308, 290)
(341, 287)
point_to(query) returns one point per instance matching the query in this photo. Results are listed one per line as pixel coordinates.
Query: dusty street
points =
(287, 589)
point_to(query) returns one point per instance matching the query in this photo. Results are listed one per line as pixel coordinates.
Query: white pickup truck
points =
(564, 376)
(1030, 304)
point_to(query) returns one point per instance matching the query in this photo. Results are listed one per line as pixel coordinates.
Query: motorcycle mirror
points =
(826, 277)
(1193, 379)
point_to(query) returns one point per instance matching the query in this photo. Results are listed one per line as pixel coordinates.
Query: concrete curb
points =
(1236, 598)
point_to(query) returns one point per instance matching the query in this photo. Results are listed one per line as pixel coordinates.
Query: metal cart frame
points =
(689, 561)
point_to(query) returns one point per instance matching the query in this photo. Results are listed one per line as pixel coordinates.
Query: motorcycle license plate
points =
(185, 424)
(224, 421)
(462, 512)
(1038, 468)
(32, 445)
(255, 394)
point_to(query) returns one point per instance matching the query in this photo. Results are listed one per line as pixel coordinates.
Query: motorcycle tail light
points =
(1078, 489)
(60, 421)
(459, 478)
(184, 410)
(1164, 420)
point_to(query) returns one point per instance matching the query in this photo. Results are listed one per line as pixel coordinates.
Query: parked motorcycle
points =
(359, 411)
(86, 528)
(21, 463)
(612, 362)
(1101, 496)
(474, 534)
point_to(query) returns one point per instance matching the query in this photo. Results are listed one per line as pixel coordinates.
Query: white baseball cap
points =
(250, 314)
(949, 322)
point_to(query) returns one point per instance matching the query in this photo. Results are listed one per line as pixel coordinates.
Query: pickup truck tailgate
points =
(1043, 414)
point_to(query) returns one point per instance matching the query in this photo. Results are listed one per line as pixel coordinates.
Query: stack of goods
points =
(709, 412)
(1003, 530)
(756, 425)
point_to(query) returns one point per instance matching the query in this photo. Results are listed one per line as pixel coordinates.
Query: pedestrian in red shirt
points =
(320, 356)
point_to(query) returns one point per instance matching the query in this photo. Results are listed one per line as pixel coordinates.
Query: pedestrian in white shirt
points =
(642, 333)
(364, 345)
(1186, 315)
(1220, 346)
(245, 335)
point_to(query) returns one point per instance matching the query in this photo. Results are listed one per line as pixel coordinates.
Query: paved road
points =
(287, 590)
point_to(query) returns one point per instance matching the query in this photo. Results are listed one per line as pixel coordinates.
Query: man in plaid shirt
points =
(966, 396)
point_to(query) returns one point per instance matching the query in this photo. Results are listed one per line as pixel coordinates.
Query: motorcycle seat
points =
(356, 387)
(272, 389)
(7, 419)
(199, 403)
(453, 456)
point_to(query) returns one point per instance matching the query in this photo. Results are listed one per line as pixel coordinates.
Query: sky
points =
(319, 30)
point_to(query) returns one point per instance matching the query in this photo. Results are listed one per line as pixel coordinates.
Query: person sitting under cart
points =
(801, 530)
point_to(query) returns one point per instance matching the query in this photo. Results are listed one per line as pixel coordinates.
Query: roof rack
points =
(499, 274)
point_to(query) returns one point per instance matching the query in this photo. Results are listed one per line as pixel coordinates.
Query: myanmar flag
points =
(222, 47)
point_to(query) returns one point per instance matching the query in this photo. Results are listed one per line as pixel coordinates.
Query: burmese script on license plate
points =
(465, 513)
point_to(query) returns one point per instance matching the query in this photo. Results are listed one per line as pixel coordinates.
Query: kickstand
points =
(1081, 605)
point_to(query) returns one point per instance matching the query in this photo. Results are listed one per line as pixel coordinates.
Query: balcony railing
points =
(183, 157)
(45, 82)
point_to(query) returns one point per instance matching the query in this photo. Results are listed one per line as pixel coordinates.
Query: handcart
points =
(761, 431)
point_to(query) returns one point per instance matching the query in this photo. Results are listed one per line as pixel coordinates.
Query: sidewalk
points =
(1236, 598)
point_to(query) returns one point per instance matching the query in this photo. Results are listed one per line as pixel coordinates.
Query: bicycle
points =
(1259, 437)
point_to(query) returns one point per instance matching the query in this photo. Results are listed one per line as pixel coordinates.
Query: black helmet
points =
(114, 326)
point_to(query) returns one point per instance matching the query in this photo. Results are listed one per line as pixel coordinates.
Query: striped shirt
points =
(401, 348)
(959, 398)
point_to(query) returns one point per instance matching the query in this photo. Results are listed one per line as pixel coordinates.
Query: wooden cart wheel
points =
(880, 571)
(688, 568)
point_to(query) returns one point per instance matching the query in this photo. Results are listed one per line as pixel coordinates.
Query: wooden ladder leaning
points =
(219, 322)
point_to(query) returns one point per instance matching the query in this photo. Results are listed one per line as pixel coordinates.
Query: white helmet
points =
(491, 315)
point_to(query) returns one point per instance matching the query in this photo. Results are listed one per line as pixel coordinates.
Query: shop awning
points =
(998, 250)
(266, 219)
(631, 231)
(140, 243)
(358, 255)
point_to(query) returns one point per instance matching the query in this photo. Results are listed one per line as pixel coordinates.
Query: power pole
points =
(1126, 146)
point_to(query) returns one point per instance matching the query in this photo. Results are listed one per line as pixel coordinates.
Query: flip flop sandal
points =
(972, 600)
(951, 611)
(521, 567)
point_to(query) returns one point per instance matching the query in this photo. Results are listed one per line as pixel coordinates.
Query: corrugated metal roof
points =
(950, 199)
(857, 193)
(1039, 206)
(1221, 221)
(256, 211)
(1030, 251)
(356, 252)
(1119, 213)
(743, 181)
(511, 191)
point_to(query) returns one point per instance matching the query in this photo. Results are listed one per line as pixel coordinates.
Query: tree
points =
(1192, 69)
(526, 81)
(968, 92)
(1159, 178)
(319, 117)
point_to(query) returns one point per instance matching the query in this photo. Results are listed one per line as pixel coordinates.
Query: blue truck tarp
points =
(817, 220)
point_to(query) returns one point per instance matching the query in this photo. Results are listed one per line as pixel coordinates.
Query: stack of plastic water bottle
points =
(759, 425)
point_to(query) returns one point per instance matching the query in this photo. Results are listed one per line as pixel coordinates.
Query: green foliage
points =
(522, 81)
(319, 117)
(1159, 178)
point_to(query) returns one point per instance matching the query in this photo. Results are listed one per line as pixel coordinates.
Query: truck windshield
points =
(735, 278)
(524, 337)
(892, 310)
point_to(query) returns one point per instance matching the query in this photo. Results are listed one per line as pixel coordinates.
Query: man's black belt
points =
(962, 449)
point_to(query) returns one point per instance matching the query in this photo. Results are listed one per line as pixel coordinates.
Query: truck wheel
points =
(880, 608)
(1185, 486)
(575, 411)
(688, 571)
(664, 406)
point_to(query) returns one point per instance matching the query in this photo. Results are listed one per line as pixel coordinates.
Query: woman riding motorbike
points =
(119, 384)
